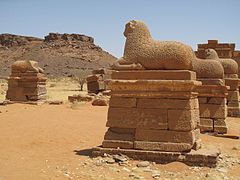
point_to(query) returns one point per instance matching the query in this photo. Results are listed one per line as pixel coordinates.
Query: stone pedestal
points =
(233, 95)
(95, 83)
(212, 105)
(152, 111)
(28, 86)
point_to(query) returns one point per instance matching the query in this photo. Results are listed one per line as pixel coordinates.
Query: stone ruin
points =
(231, 80)
(96, 82)
(212, 95)
(154, 111)
(27, 83)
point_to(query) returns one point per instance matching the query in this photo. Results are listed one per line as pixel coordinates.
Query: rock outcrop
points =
(58, 54)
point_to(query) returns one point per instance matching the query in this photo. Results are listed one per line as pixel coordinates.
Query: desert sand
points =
(55, 141)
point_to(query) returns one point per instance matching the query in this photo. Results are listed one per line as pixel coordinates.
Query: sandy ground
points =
(55, 141)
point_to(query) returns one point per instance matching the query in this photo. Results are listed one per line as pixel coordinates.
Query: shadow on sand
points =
(84, 152)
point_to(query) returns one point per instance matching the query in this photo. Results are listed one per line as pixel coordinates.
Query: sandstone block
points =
(166, 136)
(206, 125)
(233, 111)
(162, 146)
(95, 86)
(202, 100)
(212, 91)
(206, 122)
(94, 78)
(217, 100)
(120, 134)
(233, 104)
(27, 84)
(153, 85)
(132, 118)
(122, 102)
(233, 96)
(204, 128)
(220, 129)
(233, 83)
(155, 75)
(117, 144)
(213, 111)
(150, 94)
(212, 82)
(197, 145)
(168, 103)
(219, 122)
(183, 120)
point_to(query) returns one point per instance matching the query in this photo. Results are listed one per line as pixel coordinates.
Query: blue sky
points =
(188, 21)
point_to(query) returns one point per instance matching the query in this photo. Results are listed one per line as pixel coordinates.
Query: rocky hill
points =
(58, 54)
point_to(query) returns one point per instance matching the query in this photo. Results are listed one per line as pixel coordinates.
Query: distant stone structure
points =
(212, 95)
(96, 82)
(153, 111)
(231, 79)
(27, 83)
(224, 50)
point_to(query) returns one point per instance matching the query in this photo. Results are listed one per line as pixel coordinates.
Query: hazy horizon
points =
(191, 22)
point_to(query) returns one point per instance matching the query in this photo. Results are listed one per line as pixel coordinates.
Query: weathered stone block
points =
(212, 82)
(162, 146)
(95, 86)
(155, 75)
(183, 120)
(117, 144)
(219, 122)
(213, 111)
(217, 100)
(220, 129)
(133, 117)
(232, 83)
(122, 102)
(234, 111)
(206, 122)
(206, 125)
(202, 100)
(168, 103)
(153, 85)
(166, 136)
(120, 134)
(233, 96)
(94, 78)
(123, 117)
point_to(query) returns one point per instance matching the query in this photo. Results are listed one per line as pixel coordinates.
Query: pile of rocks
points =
(26, 82)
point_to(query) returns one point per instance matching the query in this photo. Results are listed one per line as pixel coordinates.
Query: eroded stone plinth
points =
(151, 112)
(233, 95)
(202, 157)
(96, 81)
(212, 104)
(27, 86)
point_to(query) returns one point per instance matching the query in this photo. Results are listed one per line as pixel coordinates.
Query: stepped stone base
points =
(207, 156)
(233, 97)
(212, 107)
